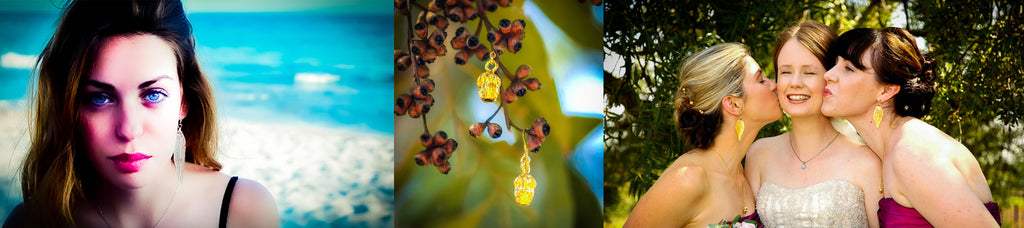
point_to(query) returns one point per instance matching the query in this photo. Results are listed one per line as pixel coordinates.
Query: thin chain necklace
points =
(734, 180)
(175, 193)
(804, 165)
(885, 143)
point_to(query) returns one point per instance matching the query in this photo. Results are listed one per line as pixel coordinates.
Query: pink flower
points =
(743, 225)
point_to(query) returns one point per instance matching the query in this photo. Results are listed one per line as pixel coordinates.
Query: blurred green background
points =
(562, 45)
(977, 44)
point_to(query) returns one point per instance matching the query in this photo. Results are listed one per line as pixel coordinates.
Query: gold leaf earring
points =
(739, 128)
(524, 183)
(489, 82)
(878, 114)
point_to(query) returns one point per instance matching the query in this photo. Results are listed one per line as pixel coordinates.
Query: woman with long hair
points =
(124, 130)
(722, 101)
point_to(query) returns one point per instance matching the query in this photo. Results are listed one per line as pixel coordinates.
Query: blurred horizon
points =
(346, 7)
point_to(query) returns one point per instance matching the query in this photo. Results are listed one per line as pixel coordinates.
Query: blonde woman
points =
(722, 101)
(812, 176)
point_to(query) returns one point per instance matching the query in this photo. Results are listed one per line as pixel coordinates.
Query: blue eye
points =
(99, 99)
(154, 96)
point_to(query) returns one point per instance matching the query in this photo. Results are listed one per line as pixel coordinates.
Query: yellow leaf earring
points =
(878, 114)
(524, 183)
(739, 128)
(488, 82)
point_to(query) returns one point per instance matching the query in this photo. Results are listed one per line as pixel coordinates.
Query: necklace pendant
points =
(804, 166)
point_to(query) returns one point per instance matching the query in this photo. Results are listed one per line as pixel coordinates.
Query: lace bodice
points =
(832, 203)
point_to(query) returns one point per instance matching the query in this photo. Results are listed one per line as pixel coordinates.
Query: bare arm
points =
(673, 201)
(934, 186)
(870, 178)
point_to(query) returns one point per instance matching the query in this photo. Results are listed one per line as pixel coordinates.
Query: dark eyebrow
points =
(150, 82)
(105, 86)
(101, 85)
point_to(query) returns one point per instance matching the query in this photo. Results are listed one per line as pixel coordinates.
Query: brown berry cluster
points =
(402, 6)
(419, 102)
(438, 150)
(537, 133)
(520, 84)
(492, 5)
(508, 36)
(427, 47)
(492, 129)
(468, 45)
(457, 10)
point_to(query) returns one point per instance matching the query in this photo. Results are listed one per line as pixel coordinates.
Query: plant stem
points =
(414, 62)
(502, 105)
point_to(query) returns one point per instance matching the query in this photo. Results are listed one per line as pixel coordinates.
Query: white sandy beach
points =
(319, 176)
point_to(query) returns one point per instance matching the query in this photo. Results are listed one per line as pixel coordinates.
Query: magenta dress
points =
(892, 214)
(753, 217)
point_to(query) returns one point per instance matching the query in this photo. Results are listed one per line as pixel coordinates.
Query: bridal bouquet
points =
(736, 223)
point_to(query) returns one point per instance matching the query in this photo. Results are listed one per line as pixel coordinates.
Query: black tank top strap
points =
(227, 202)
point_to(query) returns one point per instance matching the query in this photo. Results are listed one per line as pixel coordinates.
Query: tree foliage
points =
(979, 85)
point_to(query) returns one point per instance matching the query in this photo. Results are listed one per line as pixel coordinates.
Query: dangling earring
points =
(739, 128)
(878, 114)
(489, 83)
(179, 154)
(524, 183)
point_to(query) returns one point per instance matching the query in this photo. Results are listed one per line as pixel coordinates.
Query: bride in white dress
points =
(812, 176)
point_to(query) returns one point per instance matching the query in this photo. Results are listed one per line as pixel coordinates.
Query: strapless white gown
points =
(832, 203)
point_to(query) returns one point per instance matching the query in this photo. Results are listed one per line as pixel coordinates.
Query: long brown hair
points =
(57, 168)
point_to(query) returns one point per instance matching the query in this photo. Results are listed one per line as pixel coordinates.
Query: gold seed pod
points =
(524, 183)
(489, 83)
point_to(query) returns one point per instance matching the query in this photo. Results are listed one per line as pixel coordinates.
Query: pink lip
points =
(129, 163)
(795, 101)
(828, 92)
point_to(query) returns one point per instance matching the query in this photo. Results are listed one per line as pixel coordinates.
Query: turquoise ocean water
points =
(263, 66)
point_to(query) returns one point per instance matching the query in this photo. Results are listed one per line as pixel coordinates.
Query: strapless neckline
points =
(819, 184)
(891, 213)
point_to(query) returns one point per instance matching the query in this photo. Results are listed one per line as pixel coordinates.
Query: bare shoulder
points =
(674, 197)
(922, 143)
(860, 154)
(762, 148)
(922, 149)
(683, 176)
(252, 206)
